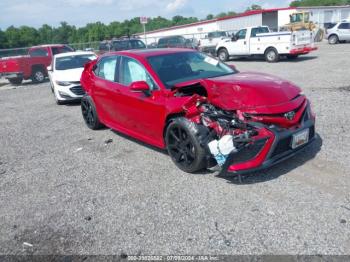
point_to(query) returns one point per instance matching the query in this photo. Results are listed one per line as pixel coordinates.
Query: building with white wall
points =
(325, 15)
(274, 18)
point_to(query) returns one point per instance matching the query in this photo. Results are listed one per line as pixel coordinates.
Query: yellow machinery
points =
(301, 21)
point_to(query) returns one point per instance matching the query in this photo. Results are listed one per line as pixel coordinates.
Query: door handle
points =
(245, 42)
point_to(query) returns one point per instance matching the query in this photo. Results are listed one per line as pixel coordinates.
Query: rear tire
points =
(16, 81)
(271, 55)
(38, 75)
(183, 145)
(89, 113)
(333, 39)
(223, 55)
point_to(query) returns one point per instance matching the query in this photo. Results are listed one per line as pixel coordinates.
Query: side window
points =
(38, 52)
(344, 26)
(241, 34)
(254, 32)
(132, 71)
(106, 68)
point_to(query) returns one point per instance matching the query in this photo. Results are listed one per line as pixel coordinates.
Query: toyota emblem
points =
(290, 115)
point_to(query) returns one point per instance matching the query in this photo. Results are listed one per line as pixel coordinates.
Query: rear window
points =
(344, 26)
(39, 52)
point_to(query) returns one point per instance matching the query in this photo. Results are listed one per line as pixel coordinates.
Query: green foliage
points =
(25, 36)
(254, 7)
(319, 2)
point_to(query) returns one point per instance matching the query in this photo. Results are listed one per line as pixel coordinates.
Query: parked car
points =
(32, 66)
(120, 45)
(65, 73)
(193, 105)
(208, 44)
(259, 41)
(177, 41)
(340, 32)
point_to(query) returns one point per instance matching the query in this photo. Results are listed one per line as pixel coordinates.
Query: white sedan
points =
(65, 73)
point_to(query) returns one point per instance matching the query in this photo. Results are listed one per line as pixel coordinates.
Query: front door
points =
(240, 45)
(140, 112)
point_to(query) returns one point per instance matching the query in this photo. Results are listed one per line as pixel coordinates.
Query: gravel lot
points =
(64, 190)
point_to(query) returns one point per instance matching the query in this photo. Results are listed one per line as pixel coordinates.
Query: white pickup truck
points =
(253, 41)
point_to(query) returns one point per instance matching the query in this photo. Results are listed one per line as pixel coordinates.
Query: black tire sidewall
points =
(192, 131)
(97, 124)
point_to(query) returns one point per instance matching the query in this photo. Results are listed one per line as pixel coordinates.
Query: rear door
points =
(344, 31)
(106, 90)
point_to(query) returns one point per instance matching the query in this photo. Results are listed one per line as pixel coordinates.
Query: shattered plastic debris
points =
(78, 149)
(27, 244)
(220, 149)
(108, 141)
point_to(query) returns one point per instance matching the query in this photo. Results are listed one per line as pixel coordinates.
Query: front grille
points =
(249, 152)
(285, 143)
(77, 90)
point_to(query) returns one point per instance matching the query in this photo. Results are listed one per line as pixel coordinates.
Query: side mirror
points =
(140, 86)
(49, 68)
(234, 38)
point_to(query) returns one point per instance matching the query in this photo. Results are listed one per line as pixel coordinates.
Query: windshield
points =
(71, 62)
(297, 18)
(185, 66)
(216, 34)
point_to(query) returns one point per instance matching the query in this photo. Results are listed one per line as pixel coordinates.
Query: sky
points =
(80, 12)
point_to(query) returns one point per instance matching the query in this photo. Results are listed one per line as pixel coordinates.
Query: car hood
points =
(71, 75)
(249, 91)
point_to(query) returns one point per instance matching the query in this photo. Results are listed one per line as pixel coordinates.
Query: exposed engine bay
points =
(225, 133)
(250, 135)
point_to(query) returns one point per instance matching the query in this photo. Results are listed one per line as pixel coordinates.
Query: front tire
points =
(223, 55)
(16, 81)
(333, 39)
(271, 55)
(183, 145)
(89, 113)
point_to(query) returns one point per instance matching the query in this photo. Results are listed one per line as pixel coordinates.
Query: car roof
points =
(75, 53)
(144, 53)
(50, 45)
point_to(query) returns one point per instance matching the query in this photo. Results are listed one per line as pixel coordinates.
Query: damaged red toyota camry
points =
(202, 111)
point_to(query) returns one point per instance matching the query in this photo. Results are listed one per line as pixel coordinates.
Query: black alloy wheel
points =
(89, 113)
(183, 146)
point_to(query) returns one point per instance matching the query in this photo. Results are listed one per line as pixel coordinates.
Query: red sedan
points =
(202, 111)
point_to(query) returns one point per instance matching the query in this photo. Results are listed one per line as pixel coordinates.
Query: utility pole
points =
(144, 21)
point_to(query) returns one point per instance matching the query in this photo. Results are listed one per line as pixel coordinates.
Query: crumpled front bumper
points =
(267, 151)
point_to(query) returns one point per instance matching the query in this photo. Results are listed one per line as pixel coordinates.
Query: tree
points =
(319, 2)
(210, 17)
(45, 34)
(254, 7)
(3, 40)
